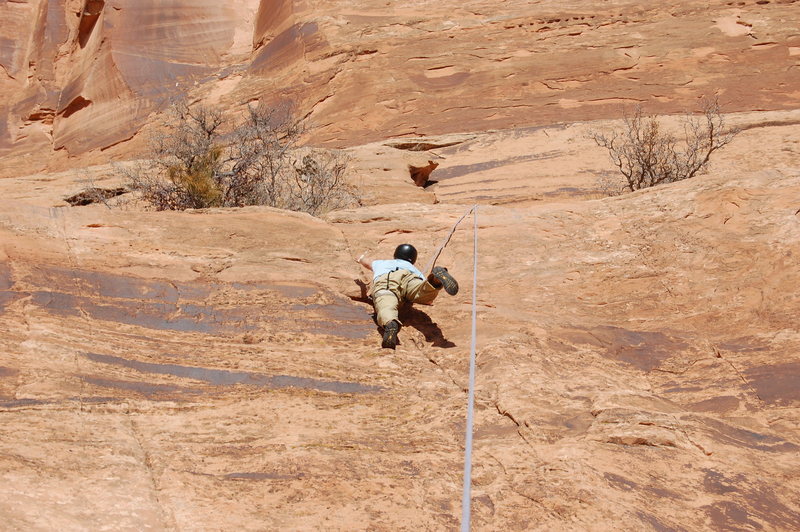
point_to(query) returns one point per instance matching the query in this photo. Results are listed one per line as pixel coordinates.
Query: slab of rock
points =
(95, 73)
(220, 369)
(636, 355)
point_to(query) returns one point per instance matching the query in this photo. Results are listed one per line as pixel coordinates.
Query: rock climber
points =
(398, 281)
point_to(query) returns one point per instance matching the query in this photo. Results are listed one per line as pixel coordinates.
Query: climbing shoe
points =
(390, 331)
(441, 278)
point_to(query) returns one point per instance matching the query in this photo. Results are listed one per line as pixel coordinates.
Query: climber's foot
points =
(440, 277)
(390, 331)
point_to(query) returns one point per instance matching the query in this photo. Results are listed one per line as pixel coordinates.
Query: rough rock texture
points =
(638, 355)
(86, 75)
(82, 75)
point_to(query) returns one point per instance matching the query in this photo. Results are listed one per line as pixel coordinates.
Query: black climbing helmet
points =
(406, 252)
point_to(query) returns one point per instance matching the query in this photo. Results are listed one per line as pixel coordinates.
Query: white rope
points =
(432, 262)
(466, 497)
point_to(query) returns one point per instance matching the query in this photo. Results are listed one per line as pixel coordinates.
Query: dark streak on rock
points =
(6, 282)
(727, 515)
(642, 349)
(749, 439)
(720, 404)
(162, 305)
(657, 524)
(776, 384)
(160, 316)
(8, 372)
(11, 404)
(263, 476)
(464, 169)
(218, 377)
(717, 483)
(148, 390)
(7, 297)
(17, 403)
(620, 482)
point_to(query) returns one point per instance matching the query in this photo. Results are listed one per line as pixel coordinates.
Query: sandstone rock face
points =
(638, 356)
(84, 75)
(94, 71)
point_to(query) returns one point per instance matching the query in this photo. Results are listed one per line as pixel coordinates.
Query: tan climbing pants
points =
(392, 289)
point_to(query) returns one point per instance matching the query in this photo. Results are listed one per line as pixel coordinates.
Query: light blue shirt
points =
(382, 267)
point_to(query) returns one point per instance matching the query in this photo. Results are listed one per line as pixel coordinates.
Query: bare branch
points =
(195, 163)
(648, 155)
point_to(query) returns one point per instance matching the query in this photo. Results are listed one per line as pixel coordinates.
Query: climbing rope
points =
(432, 262)
(466, 497)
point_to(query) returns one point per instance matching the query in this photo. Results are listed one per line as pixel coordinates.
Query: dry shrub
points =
(202, 161)
(197, 179)
(648, 154)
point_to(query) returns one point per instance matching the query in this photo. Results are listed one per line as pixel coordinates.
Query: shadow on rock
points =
(414, 317)
(410, 316)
